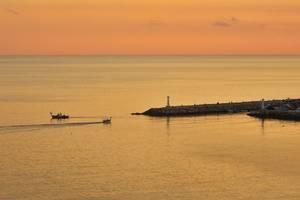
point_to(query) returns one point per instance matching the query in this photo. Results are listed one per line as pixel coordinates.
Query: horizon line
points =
(3, 55)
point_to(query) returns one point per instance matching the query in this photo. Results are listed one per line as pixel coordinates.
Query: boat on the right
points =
(107, 120)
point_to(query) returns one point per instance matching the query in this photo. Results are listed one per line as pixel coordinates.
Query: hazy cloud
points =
(226, 23)
(221, 24)
(12, 11)
(233, 19)
(155, 23)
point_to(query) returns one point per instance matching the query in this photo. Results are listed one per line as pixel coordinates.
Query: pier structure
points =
(276, 114)
(217, 108)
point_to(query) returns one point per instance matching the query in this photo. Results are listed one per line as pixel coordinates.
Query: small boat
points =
(106, 121)
(59, 116)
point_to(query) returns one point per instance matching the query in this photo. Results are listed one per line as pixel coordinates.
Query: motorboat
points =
(59, 116)
(106, 121)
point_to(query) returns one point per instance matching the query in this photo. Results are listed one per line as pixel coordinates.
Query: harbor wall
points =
(276, 114)
(208, 109)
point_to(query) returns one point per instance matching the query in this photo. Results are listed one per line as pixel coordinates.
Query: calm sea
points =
(231, 157)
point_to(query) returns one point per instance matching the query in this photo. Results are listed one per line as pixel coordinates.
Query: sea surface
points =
(229, 157)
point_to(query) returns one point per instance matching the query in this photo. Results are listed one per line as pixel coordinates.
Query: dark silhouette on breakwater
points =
(288, 110)
(276, 114)
(210, 109)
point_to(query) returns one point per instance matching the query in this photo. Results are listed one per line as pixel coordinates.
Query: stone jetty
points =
(276, 114)
(217, 108)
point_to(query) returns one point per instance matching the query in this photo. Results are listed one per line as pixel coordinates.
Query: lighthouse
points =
(168, 101)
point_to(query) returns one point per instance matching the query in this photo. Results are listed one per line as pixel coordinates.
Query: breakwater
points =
(276, 114)
(208, 109)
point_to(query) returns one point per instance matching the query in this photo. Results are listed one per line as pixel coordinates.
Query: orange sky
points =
(149, 27)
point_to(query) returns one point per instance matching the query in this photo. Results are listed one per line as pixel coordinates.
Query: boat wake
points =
(86, 117)
(35, 127)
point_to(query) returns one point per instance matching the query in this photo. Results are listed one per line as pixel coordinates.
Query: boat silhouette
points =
(59, 116)
(106, 121)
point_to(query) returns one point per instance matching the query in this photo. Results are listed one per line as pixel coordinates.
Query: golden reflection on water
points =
(137, 157)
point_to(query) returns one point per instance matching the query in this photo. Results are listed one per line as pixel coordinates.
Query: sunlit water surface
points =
(136, 157)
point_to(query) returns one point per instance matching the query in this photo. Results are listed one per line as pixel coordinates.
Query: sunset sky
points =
(149, 27)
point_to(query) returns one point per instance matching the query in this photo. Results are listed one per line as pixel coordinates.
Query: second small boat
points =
(106, 121)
